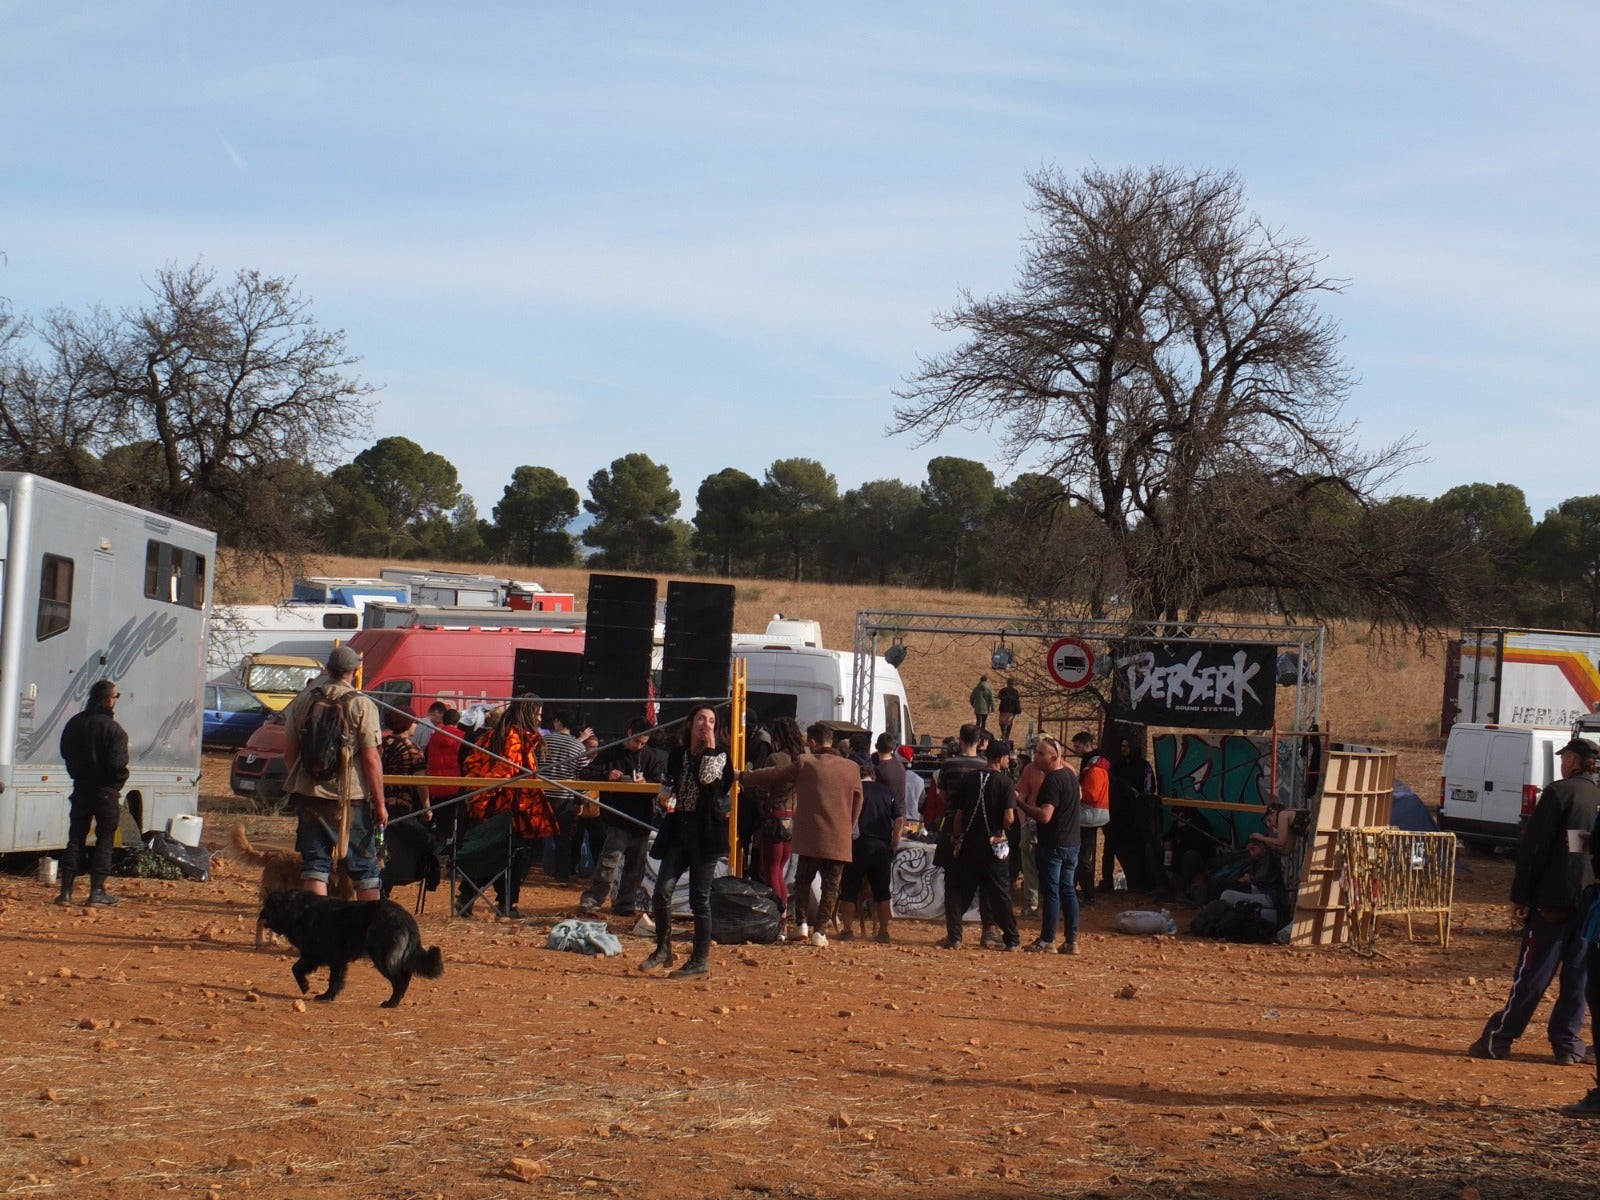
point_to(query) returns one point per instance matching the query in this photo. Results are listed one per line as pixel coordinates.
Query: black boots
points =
(65, 895)
(663, 955)
(98, 896)
(700, 961)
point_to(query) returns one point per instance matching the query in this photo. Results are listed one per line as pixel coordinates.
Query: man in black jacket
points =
(623, 851)
(1553, 873)
(95, 750)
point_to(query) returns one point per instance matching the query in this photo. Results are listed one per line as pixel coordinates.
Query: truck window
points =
(174, 575)
(55, 596)
(339, 621)
(891, 718)
(394, 692)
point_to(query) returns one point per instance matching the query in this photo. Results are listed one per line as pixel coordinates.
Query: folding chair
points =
(416, 856)
(481, 858)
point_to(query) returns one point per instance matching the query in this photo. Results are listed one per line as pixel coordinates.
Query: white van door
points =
(1464, 775)
(1508, 771)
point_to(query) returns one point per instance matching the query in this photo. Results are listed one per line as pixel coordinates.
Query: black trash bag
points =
(193, 861)
(742, 911)
(1234, 921)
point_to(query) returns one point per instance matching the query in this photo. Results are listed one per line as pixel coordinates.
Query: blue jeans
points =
(1057, 896)
(318, 836)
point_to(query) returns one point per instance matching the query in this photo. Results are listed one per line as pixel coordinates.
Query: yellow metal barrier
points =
(1394, 872)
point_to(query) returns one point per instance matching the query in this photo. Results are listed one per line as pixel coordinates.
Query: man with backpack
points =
(983, 810)
(335, 778)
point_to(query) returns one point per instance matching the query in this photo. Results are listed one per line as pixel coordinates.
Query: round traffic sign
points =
(1071, 662)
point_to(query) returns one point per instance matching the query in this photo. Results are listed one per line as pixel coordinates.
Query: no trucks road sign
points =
(1071, 662)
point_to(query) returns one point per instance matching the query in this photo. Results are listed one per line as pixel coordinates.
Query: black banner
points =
(1196, 685)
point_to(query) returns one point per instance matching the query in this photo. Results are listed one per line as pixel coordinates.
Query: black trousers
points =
(689, 851)
(101, 808)
(1591, 989)
(991, 881)
(1087, 854)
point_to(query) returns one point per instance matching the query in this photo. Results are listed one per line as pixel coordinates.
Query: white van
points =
(785, 676)
(1492, 777)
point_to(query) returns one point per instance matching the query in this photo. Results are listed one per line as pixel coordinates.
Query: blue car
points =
(232, 714)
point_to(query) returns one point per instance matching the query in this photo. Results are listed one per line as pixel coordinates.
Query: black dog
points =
(334, 933)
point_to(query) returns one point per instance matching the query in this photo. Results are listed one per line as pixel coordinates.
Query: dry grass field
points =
(1382, 692)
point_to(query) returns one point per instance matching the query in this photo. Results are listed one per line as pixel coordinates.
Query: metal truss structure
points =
(873, 625)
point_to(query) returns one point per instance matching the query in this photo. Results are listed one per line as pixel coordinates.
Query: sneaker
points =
(819, 939)
(883, 938)
(847, 936)
(948, 943)
(588, 908)
(101, 899)
(1067, 948)
(1037, 947)
(802, 931)
(1030, 913)
(1588, 1108)
(1484, 1048)
(992, 939)
(1010, 947)
(1569, 1058)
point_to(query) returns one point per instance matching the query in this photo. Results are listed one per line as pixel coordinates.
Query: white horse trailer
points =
(93, 589)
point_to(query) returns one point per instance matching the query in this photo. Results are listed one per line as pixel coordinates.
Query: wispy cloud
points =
(234, 156)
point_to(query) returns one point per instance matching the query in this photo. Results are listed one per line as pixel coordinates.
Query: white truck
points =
(93, 589)
(789, 672)
(1533, 677)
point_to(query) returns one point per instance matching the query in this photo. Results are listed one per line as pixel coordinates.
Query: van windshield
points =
(269, 678)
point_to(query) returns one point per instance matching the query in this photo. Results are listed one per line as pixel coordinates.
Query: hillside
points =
(1384, 695)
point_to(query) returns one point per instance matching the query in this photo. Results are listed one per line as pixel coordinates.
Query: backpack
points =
(325, 735)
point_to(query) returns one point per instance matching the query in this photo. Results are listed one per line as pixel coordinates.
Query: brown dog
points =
(280, 871)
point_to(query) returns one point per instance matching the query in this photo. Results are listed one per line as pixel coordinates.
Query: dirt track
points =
(151, 1050)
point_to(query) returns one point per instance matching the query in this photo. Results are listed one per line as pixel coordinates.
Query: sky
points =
(718, 234)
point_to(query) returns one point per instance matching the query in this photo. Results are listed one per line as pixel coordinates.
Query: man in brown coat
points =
(827, 804)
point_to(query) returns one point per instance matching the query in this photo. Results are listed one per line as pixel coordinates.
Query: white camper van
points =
(1492, 777)
(789, 672)
(92, 589)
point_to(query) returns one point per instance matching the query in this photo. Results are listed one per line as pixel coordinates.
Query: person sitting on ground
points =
(873, 849)
(1261, 883)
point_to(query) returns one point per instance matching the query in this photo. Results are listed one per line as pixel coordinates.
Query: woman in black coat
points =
(693, 836)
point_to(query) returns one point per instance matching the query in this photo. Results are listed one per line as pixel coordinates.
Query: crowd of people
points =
(1041, 834)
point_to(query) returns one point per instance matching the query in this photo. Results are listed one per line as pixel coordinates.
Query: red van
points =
(414, 666)
(411, 667)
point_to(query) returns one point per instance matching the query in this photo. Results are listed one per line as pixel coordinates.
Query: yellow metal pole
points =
(736, 749)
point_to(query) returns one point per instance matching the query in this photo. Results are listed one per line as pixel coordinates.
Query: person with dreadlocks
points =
(512, 748)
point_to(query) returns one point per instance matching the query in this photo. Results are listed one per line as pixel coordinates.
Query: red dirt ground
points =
(151, 1050)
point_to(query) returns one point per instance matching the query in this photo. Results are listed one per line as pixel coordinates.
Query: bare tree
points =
(211, 402)
(1162, 359)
